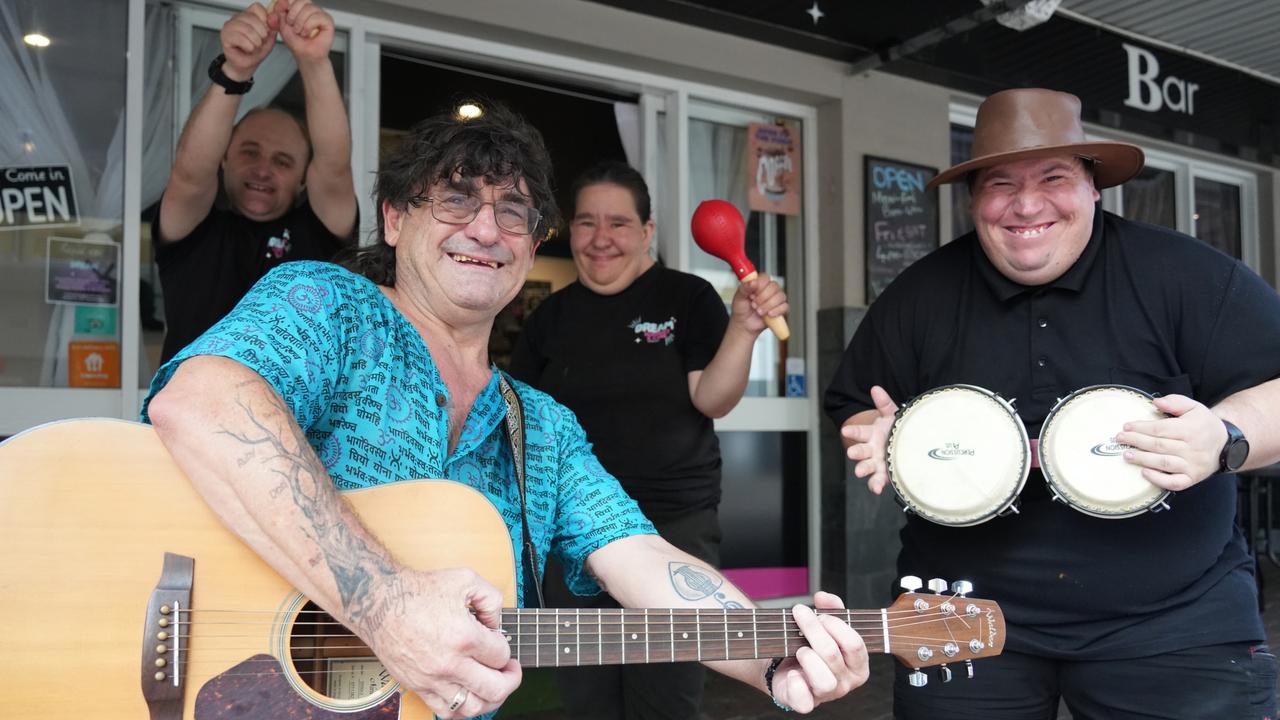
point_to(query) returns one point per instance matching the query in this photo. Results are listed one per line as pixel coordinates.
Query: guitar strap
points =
(515, 434)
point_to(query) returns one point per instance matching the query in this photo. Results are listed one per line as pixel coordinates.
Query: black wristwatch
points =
(1235, 452)
(232, 87)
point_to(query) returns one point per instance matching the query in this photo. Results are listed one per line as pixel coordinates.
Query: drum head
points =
(1083, 463)
(958, 455)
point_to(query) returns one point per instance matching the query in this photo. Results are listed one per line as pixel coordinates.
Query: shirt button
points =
(1042, 362)
(1042, 322)
(440, 399)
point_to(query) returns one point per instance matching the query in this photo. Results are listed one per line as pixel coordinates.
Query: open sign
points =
(37, 196)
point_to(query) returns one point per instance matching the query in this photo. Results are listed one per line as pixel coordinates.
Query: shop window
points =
(61, 192)
(1150, 197)
(961, 151)
(719, 169)
(1217, 216)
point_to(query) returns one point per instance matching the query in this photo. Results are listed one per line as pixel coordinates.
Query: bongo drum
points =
(1081, 460)
(958, 455)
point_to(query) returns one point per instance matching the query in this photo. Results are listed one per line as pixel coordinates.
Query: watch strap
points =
(231, 87)
(1235, 439)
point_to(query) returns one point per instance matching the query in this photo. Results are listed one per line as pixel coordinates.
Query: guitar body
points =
(88, 509)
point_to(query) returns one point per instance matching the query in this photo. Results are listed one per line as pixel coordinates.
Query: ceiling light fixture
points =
(469, 111)
(36, 40)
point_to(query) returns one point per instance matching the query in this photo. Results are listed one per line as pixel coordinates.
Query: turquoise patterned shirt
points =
(362, 384)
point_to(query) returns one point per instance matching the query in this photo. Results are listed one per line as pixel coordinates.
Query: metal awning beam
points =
(933, 37)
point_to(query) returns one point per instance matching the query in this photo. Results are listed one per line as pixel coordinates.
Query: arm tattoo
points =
(356, 567)
(695, 583)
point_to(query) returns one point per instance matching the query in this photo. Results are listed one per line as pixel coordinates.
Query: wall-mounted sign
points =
(81, 272)
(37, 196)
(773, 169)
(902, 219)
(93, 365)
(1149, 91)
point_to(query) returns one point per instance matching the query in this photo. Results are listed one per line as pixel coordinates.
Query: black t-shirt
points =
(1143, 306)
(206, 273)
(621, 364)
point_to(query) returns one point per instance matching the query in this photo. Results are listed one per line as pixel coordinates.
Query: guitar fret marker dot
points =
(684, 635)
(634, 636)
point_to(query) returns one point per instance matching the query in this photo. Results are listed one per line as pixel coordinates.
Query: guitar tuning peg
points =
(968, 664)
(962, 587)
(917, 679)
(910, 583)
(945, 672)
(938, 585)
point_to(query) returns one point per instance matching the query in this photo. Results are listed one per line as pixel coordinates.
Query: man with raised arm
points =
(209, 256)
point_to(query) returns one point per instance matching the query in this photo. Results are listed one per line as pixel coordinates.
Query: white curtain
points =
(717, 164)
(627, 116)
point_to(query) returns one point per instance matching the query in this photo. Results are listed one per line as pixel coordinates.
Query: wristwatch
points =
(1235, 451)
(232, 87)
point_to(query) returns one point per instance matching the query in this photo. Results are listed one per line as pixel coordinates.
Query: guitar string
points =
(652, 638)
(534, 649)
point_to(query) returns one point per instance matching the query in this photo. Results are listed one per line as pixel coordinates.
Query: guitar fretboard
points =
(567, 637)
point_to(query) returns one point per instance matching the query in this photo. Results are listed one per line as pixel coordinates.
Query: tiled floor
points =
(729, 700)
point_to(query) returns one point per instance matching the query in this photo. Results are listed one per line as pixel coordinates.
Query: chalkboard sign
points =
(902, 219)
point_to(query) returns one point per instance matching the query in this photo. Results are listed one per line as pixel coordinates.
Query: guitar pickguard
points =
(257, 689)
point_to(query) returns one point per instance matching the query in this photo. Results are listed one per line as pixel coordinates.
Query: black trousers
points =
(1228, 682)
(659, 691)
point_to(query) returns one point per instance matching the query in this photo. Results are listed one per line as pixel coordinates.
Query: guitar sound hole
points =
(331, 660)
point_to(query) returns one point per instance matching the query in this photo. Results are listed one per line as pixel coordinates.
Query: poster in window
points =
(773, 168)
(80, 271)
(901, 219)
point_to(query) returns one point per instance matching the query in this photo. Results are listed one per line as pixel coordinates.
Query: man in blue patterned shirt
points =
(324, 379)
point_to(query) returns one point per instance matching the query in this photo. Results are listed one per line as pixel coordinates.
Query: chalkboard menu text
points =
(902, 219)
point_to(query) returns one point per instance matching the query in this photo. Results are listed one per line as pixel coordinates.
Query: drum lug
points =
(1160, 507)
(1011, 510)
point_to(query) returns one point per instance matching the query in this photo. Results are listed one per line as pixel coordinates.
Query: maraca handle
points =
(777, 324)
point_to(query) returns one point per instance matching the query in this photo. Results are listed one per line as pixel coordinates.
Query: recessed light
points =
(469, 111)
(36, 40)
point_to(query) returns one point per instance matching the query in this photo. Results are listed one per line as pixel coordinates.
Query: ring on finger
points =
(459, 698)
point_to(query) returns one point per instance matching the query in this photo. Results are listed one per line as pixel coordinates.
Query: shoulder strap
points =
(515, 434)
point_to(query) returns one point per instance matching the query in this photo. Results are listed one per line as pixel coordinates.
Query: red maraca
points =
(719, 230)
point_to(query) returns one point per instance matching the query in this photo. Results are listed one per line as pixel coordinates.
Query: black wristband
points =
(231, 87)
(768, 682)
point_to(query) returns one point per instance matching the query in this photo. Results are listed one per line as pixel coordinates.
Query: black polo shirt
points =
(1143, 306)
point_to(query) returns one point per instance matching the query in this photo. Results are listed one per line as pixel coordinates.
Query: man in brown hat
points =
(1153, 615)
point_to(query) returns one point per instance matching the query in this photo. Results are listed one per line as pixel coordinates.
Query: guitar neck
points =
(568, 637)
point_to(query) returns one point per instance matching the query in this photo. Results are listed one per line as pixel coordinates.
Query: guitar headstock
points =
(941, 627)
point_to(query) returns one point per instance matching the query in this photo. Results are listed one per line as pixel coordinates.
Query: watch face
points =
(1237, 453)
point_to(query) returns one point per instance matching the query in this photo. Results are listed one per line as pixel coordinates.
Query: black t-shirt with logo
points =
(206, 273)
(1143, 306)
(621, 364)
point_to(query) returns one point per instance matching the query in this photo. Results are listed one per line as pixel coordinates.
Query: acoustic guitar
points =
(123, 596)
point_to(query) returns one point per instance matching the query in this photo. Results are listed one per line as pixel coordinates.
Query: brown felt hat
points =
(1026, 123)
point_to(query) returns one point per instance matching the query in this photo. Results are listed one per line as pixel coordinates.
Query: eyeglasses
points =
(459, 209)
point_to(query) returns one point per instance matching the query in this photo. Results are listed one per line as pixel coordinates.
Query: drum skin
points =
(958, 455)
(1081, 460)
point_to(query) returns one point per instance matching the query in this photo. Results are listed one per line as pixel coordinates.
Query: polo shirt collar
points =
(1073, 279)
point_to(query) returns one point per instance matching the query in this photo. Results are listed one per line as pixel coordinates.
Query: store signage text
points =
(37, 197)
(1147, 91)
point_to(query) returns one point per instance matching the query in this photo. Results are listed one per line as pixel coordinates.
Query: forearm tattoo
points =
(357, 568)
(695, 583)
